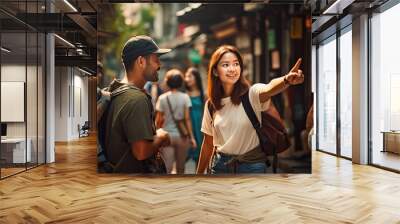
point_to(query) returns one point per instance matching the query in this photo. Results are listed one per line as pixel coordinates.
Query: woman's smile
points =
(232, 76)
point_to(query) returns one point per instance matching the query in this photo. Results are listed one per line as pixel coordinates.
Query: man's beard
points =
(151, 76)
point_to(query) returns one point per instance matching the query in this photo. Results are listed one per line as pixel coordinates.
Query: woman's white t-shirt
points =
(231, 129)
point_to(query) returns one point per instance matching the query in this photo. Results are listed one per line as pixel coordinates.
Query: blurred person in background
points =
(154, 90)
(173, 115)
(306, 135)
(195, 91)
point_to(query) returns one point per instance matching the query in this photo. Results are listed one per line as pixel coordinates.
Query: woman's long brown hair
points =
(215, 89)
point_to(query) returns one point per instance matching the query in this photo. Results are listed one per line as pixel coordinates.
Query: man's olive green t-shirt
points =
(130, 118)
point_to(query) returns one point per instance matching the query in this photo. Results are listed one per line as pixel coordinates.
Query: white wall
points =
(61, 103)
(16, 73)
(33, 127)
(71, 102)
(12, 73)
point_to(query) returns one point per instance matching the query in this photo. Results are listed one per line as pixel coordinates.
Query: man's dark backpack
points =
(154, 164)
(103, 164)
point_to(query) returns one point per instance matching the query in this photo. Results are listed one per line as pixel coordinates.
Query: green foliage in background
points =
(121, 33)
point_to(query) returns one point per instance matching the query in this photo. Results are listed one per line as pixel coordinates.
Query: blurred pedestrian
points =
(154, 90)
(230, 140)
(195, 91)
(306, 135)
(173, 108)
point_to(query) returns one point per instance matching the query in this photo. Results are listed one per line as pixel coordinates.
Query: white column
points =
(50, 92)
(360, 90)
(62, 103)
(50, 101)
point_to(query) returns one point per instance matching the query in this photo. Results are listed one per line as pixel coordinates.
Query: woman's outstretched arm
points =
(277, 85)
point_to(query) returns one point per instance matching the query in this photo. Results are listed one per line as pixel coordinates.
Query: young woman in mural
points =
(230, 141)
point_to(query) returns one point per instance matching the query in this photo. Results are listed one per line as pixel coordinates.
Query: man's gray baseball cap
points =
(141, 46)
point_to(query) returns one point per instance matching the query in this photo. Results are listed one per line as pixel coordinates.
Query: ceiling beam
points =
(82, 61)
(83, 23)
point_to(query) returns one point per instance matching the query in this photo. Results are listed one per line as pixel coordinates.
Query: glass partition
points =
(14, 153)
(22, 79)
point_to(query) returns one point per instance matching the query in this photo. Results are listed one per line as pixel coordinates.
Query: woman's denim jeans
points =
(219, 166)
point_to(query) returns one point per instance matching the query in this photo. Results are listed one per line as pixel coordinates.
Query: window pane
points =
(386, 88)
(346, 94)
(327, 96)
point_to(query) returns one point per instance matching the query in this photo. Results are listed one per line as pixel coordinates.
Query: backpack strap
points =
(250, 112)
(257, 126)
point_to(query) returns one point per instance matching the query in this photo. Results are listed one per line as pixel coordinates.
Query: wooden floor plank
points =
(71, 191)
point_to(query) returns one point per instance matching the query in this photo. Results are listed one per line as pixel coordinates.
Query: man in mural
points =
(131, 139)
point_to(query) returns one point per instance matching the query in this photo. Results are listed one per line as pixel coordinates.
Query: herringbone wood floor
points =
(70, 191)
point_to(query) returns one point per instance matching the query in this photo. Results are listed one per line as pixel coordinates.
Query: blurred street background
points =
(270, 37)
